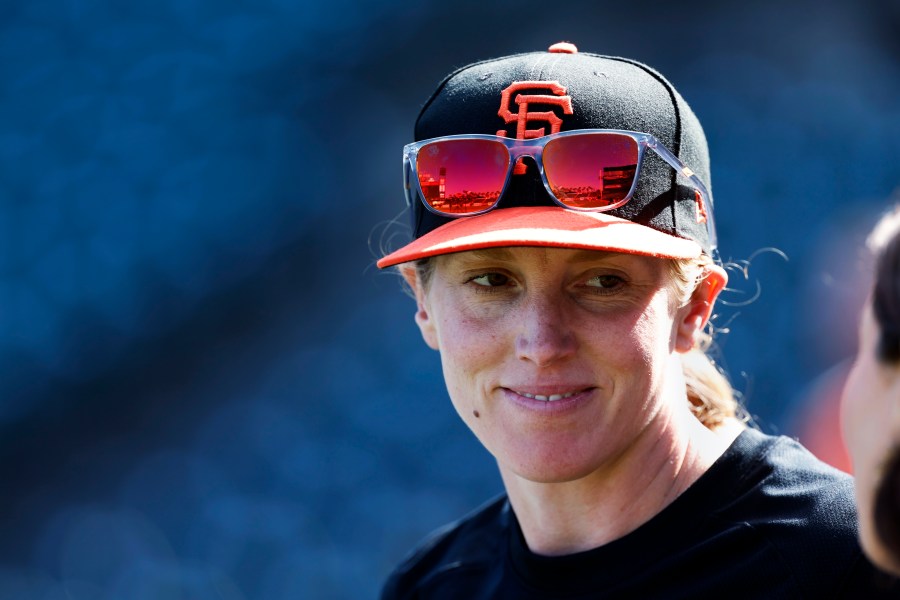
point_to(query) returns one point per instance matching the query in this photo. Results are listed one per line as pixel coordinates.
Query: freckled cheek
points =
(633, 346)
(470, 351)
(632, 354)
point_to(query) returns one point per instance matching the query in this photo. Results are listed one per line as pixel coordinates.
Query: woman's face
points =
(558, 359)
(870, 420)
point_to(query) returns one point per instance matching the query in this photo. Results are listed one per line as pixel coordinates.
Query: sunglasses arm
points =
(706, 197)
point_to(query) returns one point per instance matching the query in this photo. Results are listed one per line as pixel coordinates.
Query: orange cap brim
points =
(548, 226)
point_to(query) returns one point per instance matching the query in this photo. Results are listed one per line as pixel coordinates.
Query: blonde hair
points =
(709, 392)
(711, 397)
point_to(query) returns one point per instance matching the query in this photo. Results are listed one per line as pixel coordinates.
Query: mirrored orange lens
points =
(461, 177)
(591, 171)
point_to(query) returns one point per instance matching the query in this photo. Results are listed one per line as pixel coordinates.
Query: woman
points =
(872, 403)
(564, 266)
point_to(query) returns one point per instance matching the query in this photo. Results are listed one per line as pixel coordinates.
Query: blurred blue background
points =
(206, 388)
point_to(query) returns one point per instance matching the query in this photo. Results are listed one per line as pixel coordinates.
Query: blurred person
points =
(871, 403)
(832, 285)
(564, 265)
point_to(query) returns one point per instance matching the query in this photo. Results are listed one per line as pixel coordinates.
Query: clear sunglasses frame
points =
(535, 147)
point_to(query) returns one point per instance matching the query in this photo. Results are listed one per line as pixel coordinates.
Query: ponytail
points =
(710, 394)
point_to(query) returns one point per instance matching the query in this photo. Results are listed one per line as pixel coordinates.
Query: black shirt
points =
(767, 520)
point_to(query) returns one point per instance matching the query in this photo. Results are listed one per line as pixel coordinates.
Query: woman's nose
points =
(545, 335)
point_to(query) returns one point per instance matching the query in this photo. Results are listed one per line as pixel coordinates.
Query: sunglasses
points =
(591, 170)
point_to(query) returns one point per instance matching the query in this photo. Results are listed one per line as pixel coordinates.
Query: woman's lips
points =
(550, 398)
(549, 394)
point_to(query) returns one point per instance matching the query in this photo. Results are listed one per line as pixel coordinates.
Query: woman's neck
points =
(568, 517)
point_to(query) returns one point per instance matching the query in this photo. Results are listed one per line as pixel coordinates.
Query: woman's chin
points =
(553, 466)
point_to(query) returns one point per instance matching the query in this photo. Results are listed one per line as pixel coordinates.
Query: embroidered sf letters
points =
(523, 116)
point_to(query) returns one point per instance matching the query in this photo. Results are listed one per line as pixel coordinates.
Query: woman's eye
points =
(491, 280)
(605, 282)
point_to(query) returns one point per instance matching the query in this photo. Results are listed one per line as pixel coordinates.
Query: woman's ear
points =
(696, 313)
(423, 315)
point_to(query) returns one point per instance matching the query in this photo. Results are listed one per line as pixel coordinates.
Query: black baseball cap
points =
(603, 92)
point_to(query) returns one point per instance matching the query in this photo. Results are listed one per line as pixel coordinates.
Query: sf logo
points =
(523, 116)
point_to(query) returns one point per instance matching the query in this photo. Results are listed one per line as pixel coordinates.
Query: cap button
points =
(563, 48)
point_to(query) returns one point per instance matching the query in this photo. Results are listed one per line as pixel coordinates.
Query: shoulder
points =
(473, 543)
(803, 510)
(785, 476)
